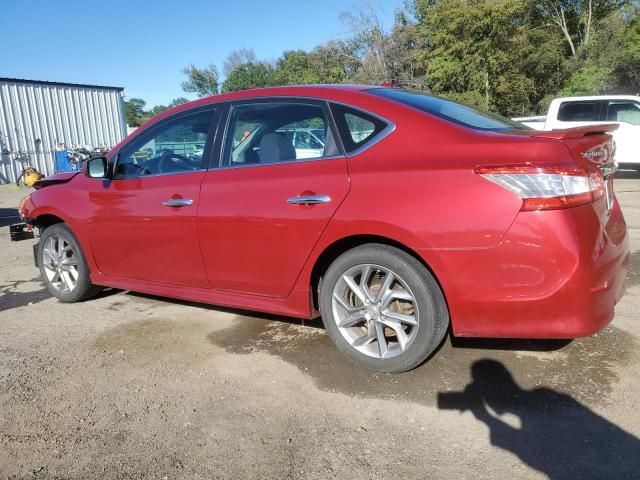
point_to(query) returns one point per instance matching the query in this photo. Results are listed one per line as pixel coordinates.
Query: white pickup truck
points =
(571, 112)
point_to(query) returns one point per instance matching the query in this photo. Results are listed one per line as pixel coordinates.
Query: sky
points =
(144, 45)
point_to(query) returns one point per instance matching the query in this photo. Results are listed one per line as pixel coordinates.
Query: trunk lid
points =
(593, 148)
(590, 145)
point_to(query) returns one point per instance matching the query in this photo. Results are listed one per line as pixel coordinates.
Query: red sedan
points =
(394, 215)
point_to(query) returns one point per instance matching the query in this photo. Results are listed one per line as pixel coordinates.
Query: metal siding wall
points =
(78, 116)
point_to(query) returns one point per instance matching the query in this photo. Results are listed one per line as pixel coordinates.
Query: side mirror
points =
(96, 167)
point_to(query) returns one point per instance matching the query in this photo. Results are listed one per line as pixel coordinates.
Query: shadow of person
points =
(557, 435)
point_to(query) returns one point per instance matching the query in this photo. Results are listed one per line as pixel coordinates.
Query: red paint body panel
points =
(252, 240)
(133, 235)
(504, 273)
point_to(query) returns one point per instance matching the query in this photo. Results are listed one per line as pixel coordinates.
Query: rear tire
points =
(63, 266)
(382, 308)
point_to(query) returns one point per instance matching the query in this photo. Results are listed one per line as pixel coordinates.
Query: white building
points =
(36, 116)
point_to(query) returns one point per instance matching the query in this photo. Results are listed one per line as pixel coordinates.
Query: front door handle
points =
(309, 199)
(178, 202)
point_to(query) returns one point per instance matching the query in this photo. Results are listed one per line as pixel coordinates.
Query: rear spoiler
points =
(577, 132)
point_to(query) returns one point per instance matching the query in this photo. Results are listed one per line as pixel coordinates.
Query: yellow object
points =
(31, 176)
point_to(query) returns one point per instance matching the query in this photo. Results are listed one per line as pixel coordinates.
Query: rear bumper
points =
(556, 274)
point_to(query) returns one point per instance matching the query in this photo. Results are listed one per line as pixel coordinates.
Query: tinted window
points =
(452, 111)
(174, 147)
(624, 111)
(356, 128)
(578, 112)
(263, 133)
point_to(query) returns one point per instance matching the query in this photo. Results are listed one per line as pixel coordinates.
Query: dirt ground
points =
(132, 386)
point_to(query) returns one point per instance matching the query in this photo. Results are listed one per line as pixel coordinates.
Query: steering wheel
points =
(174, 162)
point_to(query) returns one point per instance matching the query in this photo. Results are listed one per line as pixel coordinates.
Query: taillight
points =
(547, 187)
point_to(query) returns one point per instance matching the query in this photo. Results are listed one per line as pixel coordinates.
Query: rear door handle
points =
(309, 199)
(178, 202)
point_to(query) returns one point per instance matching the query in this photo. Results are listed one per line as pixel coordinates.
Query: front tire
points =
(382, 308)
(63, 266)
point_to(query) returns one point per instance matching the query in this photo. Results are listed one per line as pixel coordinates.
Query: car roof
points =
(597, 98)
(319, 90)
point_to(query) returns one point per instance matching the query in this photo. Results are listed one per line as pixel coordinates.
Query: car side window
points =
(356, 127)
(176, 146)
(307, 140)
(578, 112)
(624, 111)
(267, 133)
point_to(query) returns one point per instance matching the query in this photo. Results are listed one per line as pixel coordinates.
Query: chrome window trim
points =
(286, 162)
(156, 175)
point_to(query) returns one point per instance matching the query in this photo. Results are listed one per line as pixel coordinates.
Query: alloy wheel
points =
(60, 264)
(375, 311)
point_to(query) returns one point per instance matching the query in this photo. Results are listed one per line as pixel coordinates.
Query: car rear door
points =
(143, 222)
(263, 209)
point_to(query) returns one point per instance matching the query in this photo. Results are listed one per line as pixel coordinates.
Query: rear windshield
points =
(452, 111)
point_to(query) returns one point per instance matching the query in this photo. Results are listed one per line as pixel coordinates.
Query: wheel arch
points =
(338, 247)
(46, 220)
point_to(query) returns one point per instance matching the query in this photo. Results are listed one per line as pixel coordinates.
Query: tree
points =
(476, 52)
(158, 109)
(334, 62)
(249, 75)
(178, 101)
(134, 112)
(370, 44)
(628, 68)
(509, 56)
(237, 58)
(576, 18)
(295, 67)
(203, 82)
(588, 80)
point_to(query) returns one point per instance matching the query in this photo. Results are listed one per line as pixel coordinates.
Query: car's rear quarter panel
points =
(417, 187)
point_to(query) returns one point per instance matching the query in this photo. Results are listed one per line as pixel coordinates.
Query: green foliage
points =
(203, 82)
(136, 115)
(249, 75)
(333, 62)
(588, 80)
(295, 68)
(477, 52)
(509, 56)
(134, 112)
(628, 69)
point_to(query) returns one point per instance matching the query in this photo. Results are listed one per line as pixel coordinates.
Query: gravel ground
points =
(134, 386)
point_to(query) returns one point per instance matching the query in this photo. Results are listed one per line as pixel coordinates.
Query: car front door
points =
(263, 210)
(144, 218)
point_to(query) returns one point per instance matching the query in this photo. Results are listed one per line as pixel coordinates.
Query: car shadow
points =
(315, 323)
(557, 435)
(510, 344)
(8, 216)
